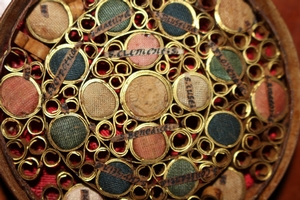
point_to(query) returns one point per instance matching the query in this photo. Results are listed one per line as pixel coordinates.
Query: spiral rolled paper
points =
(127, 99)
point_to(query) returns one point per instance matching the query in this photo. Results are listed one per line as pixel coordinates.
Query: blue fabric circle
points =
(111, 9)
(112, 184)
(77, 69)
(178, 11)
(224, 128)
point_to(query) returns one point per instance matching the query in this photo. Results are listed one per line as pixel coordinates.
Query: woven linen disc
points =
(76, 193)
(178, 168)
(242, 19)
(224, 128)
(218, 71)
(150, 147)
(78, 67)
(51, 27)
(111, 9)
(147, 97)
(111, 184)
(179, 11)
(143, 41)
(201, 91)
(261, 100)
(231, 183)
(68, 132)
(19, 97)
(99, 101)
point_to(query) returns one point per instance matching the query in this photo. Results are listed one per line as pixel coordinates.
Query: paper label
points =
(143, 52)
(111, 23)
(144, 132)
(228, 67)
(63, 70)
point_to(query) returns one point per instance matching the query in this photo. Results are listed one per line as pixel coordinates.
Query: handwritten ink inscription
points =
(144, 132)
(204, 175)
(270, 99)
(26, 72)
(190, 91)
(63, 70)
(175, 22)
(143, 52)
(85, 195)
(116, 172)
(44, 10)
(111, 23)
(228, 67)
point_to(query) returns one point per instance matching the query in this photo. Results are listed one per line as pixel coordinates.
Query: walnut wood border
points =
(17, 10)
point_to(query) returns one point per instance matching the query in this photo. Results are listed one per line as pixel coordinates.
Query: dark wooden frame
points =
(17, 10)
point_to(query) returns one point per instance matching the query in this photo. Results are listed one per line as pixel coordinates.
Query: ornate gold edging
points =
(16, 11)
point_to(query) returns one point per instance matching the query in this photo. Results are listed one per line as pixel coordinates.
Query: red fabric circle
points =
(19, 96)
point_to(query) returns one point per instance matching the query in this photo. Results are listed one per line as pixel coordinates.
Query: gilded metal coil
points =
(221, 157)
(205, 145)
(17, 149)
(195, 155)
(29, 168)
(180, 140)
(37, 145)
(144, 172)
(157, 193)
(74, 159)
(159, 169)
(255, 72)
(51, 158)
(87, 171)
(260, 32)
(268, 153)
(254, 125)
(53, 190)
(102, 154)
(11, 128)
(240, 41)
(139, 193)
(74, 35)
(17, 55)
(251, 142)
(65, 180)
(261, 171)
(242, 159)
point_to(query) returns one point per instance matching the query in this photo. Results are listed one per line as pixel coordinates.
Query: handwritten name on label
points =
(143, 52)
(270, 99)
(228, 67)
(204, 174)
(44, 10)
(85, 194)
(26, 72)
(175, 22)
(190, 91)
(63, 70)
(144, 132)
(116, 172)
(111, 23)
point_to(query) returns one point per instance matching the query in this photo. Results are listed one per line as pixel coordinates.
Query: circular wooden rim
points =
(17, 10)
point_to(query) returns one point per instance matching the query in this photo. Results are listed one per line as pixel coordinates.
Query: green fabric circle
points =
(68, 132)
(218, 70)
(111, 9)
(77, 69)
(224, 128)
(179, 168)
(178, 11)
(112, 184)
